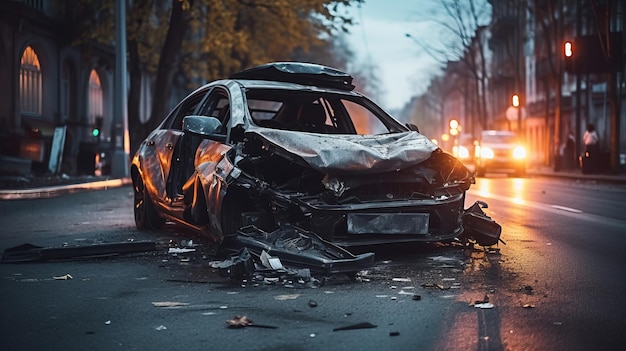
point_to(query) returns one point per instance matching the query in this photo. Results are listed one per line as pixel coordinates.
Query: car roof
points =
(269, 84)
(298, 72)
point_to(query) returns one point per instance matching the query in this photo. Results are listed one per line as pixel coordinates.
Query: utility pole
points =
(121, 160)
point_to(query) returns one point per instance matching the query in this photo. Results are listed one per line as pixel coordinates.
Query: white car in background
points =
(500, 151)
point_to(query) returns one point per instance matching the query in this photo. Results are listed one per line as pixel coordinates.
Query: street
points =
(556, 284)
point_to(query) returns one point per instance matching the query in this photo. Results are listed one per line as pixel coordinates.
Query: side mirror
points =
(413, 127)
(201, 125)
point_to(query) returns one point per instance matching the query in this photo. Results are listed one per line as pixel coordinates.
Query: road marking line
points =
(617, 223)
(568, 209)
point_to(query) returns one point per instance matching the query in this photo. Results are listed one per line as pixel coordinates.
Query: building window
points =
(30, 83)
(95, 97)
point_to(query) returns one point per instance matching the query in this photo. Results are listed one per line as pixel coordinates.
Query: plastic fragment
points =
(63, 277)
(270, 262)
(401, 279)
(363, 325)
(177, 250)
(485, 305)
(286, 297)
(169, 304)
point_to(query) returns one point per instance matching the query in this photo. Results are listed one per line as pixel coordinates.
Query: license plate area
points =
(388, 223)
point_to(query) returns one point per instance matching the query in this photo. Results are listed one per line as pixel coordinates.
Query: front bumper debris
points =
(480, 227)
(296, 248)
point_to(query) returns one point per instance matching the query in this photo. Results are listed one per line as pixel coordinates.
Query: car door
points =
(159, 158)
(209, 162)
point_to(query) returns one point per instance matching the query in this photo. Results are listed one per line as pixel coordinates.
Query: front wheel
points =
(146, 217)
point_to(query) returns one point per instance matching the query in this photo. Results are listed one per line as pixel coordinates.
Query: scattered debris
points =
(364, 325)
(169, 304)
(243, 321)
(178, 250)
(236, 265)
(485, 305)
(286, 297)
(63, 277)
(271, 262)
(433, 285)
(417, 297)
(528, 306)
(107, 322)
(312, 303)
(161, 327)
(401, 279)
(394, 333)
(296, 248)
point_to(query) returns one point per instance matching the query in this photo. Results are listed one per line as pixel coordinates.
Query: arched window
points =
(95, 97)
(30, 83)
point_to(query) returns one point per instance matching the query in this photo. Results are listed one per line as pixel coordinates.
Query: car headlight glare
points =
(519, 153)
(486, 152)
(463, 152)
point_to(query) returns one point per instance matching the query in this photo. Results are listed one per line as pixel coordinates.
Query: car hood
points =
(342, 154)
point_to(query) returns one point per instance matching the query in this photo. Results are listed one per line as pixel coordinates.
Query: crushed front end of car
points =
(348, 189)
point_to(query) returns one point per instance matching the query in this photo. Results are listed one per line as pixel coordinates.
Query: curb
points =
(58, 190)
(616, 179)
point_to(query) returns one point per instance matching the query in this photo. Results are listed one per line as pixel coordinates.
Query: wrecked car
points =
(293, 143)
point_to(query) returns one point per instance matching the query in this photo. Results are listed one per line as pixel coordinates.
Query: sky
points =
(379, 37)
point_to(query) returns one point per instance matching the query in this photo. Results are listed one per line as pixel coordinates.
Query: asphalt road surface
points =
(557, 284)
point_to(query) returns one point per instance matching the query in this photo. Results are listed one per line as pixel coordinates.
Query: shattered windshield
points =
(316, 112)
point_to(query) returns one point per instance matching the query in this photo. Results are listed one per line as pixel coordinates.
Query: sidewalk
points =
(14, 188)
(545, 171)
(21, 188)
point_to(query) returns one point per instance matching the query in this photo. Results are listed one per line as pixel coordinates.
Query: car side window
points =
(217, 105)
(188, 107)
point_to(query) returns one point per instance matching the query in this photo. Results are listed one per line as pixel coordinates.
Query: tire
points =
(146, 217)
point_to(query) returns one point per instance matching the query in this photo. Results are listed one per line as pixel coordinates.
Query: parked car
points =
(500, 151)
(292, 143)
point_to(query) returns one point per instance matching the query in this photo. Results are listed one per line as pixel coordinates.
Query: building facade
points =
(48, 83)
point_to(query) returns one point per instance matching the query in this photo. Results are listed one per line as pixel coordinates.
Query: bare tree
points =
(464, 22)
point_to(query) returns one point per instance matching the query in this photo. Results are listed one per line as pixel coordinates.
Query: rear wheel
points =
(146, 216)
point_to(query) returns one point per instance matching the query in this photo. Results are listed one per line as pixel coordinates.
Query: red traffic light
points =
(515, 100)
(568, 49)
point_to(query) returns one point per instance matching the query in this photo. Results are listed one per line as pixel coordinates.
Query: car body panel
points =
(352, 153)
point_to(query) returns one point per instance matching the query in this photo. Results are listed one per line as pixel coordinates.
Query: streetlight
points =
(455, 127)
